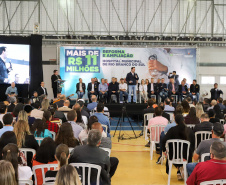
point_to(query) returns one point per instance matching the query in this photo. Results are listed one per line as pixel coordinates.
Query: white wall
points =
(206, 55)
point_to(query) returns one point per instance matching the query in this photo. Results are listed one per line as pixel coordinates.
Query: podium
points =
(60, 85)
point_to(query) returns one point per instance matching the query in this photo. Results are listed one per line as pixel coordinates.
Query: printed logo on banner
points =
(82, 61)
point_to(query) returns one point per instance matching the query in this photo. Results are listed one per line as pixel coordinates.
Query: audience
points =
(186, 108)
(10, 153)
(47, 117)
(150, 108)
(168, 108)
(81, 120)
(45, 105)
(212, 117)
(213, 169)
(84, 110)
(44, 155)
(199, 110)
(164, 114)
(67, 175)
(8, 121)
(189, 100)
(213, 103)
(205, 125)
(220, 103)
(3, 111)
(180, 131)
(191, 117)
(28, 109)
(57, 114)
(66, 136)
(39, 129)
(72, 118)
(92, 105)
(206, 104)
(217, 111)
(7, 173)
(36, 112)
(60, 103)
(65, 108)
(12, 104)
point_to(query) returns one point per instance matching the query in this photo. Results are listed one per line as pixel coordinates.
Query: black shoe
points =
(159, 160)
(148, 144)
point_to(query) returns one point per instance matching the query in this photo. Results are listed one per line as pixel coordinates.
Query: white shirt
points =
(37, 114)
(44, 90)
(92, 87)
(123, 86)
(85, 120)
(152, 87)
(143, 88)
(24, 172)
(80, 87)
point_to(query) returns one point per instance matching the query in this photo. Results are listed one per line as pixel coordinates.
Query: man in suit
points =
(113, 89)
(131, 79)
(90, 153)
(174, 76)
(3, 70)
(163, 91)
(183, 90)
(153, 89)
(92, 89)
(215, 92)
(194, 89)
(55, 77)
(42, 90)
(172, 88)
(80, 88)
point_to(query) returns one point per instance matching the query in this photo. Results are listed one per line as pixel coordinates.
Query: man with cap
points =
(204, 146)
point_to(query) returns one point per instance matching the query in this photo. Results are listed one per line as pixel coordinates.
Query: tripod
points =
(120, 121)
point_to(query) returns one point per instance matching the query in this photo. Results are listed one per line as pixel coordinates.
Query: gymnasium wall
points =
(212, 62)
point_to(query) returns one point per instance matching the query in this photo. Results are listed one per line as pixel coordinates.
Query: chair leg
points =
(151, 149)
(185, 173)
(170, 169)
(163, 158)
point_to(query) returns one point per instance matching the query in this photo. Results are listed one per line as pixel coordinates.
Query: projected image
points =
(14, 63)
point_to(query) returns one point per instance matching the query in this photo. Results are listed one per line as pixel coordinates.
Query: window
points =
(207, 80)
(222, 79)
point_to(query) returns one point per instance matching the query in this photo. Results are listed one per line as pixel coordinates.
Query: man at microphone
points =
(55, 77)
(132, 78)
(3, 70)
(215, 92)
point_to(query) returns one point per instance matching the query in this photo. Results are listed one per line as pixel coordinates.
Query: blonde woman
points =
(7, 173)
(147, 82)
(23, 135)
(45, 105)
(67, 175)
(22, 116)
(199, 110)
(143, 90)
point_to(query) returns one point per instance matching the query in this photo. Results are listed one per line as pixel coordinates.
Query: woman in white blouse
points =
(143, 90)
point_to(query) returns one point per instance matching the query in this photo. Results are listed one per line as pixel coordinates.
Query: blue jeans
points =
(132, 88)
(163, 95)
(80, 94)
(197, 97)
(121, 95)
(190, 167)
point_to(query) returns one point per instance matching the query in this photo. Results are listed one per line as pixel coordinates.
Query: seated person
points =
(123, 90)
(191, 104)
(92, 105)
(35, 97)
(143, 91)
(80, 88)
(47, 117)
(13, 101)
(61, 101)
(36, 112)
(152, 89)
(163, 91)
(212, 169)
(113, 88)
(92, 88)
(204, 146)
(66, 107)
(194, 89)
(28, 109)
(186, 108)
(172, 88)
(102, 119)
(206, 104)
(213, 103)
(39, 130)
(106, 110)
(72, 118)
(217, 111)
(191, 117)
(164, 114)
(103, 89)
(212, 114)
(220, 103)
(8, 121)
(11, 90)
(183, 91)
(168, 107)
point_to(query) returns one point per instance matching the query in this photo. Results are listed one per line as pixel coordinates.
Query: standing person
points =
(174, 76)
(3, 70)
(194, 89)
(92, 89)
(215, 92)
(55, 77)
(42, 90)
(131, 79)
(80, 88)
(143, 90)
(113, 89)
(123, 90)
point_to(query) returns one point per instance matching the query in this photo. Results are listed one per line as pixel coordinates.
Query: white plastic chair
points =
(171, 117)
(27, 182)
(204, 135)
(89, 166)
(54, 135)
(39, 140)
(70, 149)
(177, 159)
(203, 156)
(214, 182)
(105, 128)
(26, 150)
(157, 132)
(107, 150)
(192, 126)
(42, 168)
(65, 114)
(175, 98)
(147, 117)
(222, 121)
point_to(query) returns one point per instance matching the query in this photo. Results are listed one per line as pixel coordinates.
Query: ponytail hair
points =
(62, 153)
(10, 153)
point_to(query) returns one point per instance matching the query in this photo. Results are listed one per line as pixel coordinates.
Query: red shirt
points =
(207, 171)
(52, 126)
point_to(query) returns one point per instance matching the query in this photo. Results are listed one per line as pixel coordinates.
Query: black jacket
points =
(113, 87)
(155, 88)
(83, 87)
(53, 79)
(194, 88)
(133, 78)
(89, 88)
(3, 71)
(41, 91)
(180, 88)
(215, 94)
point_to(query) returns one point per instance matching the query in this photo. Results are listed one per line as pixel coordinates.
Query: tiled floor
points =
(135, 166)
